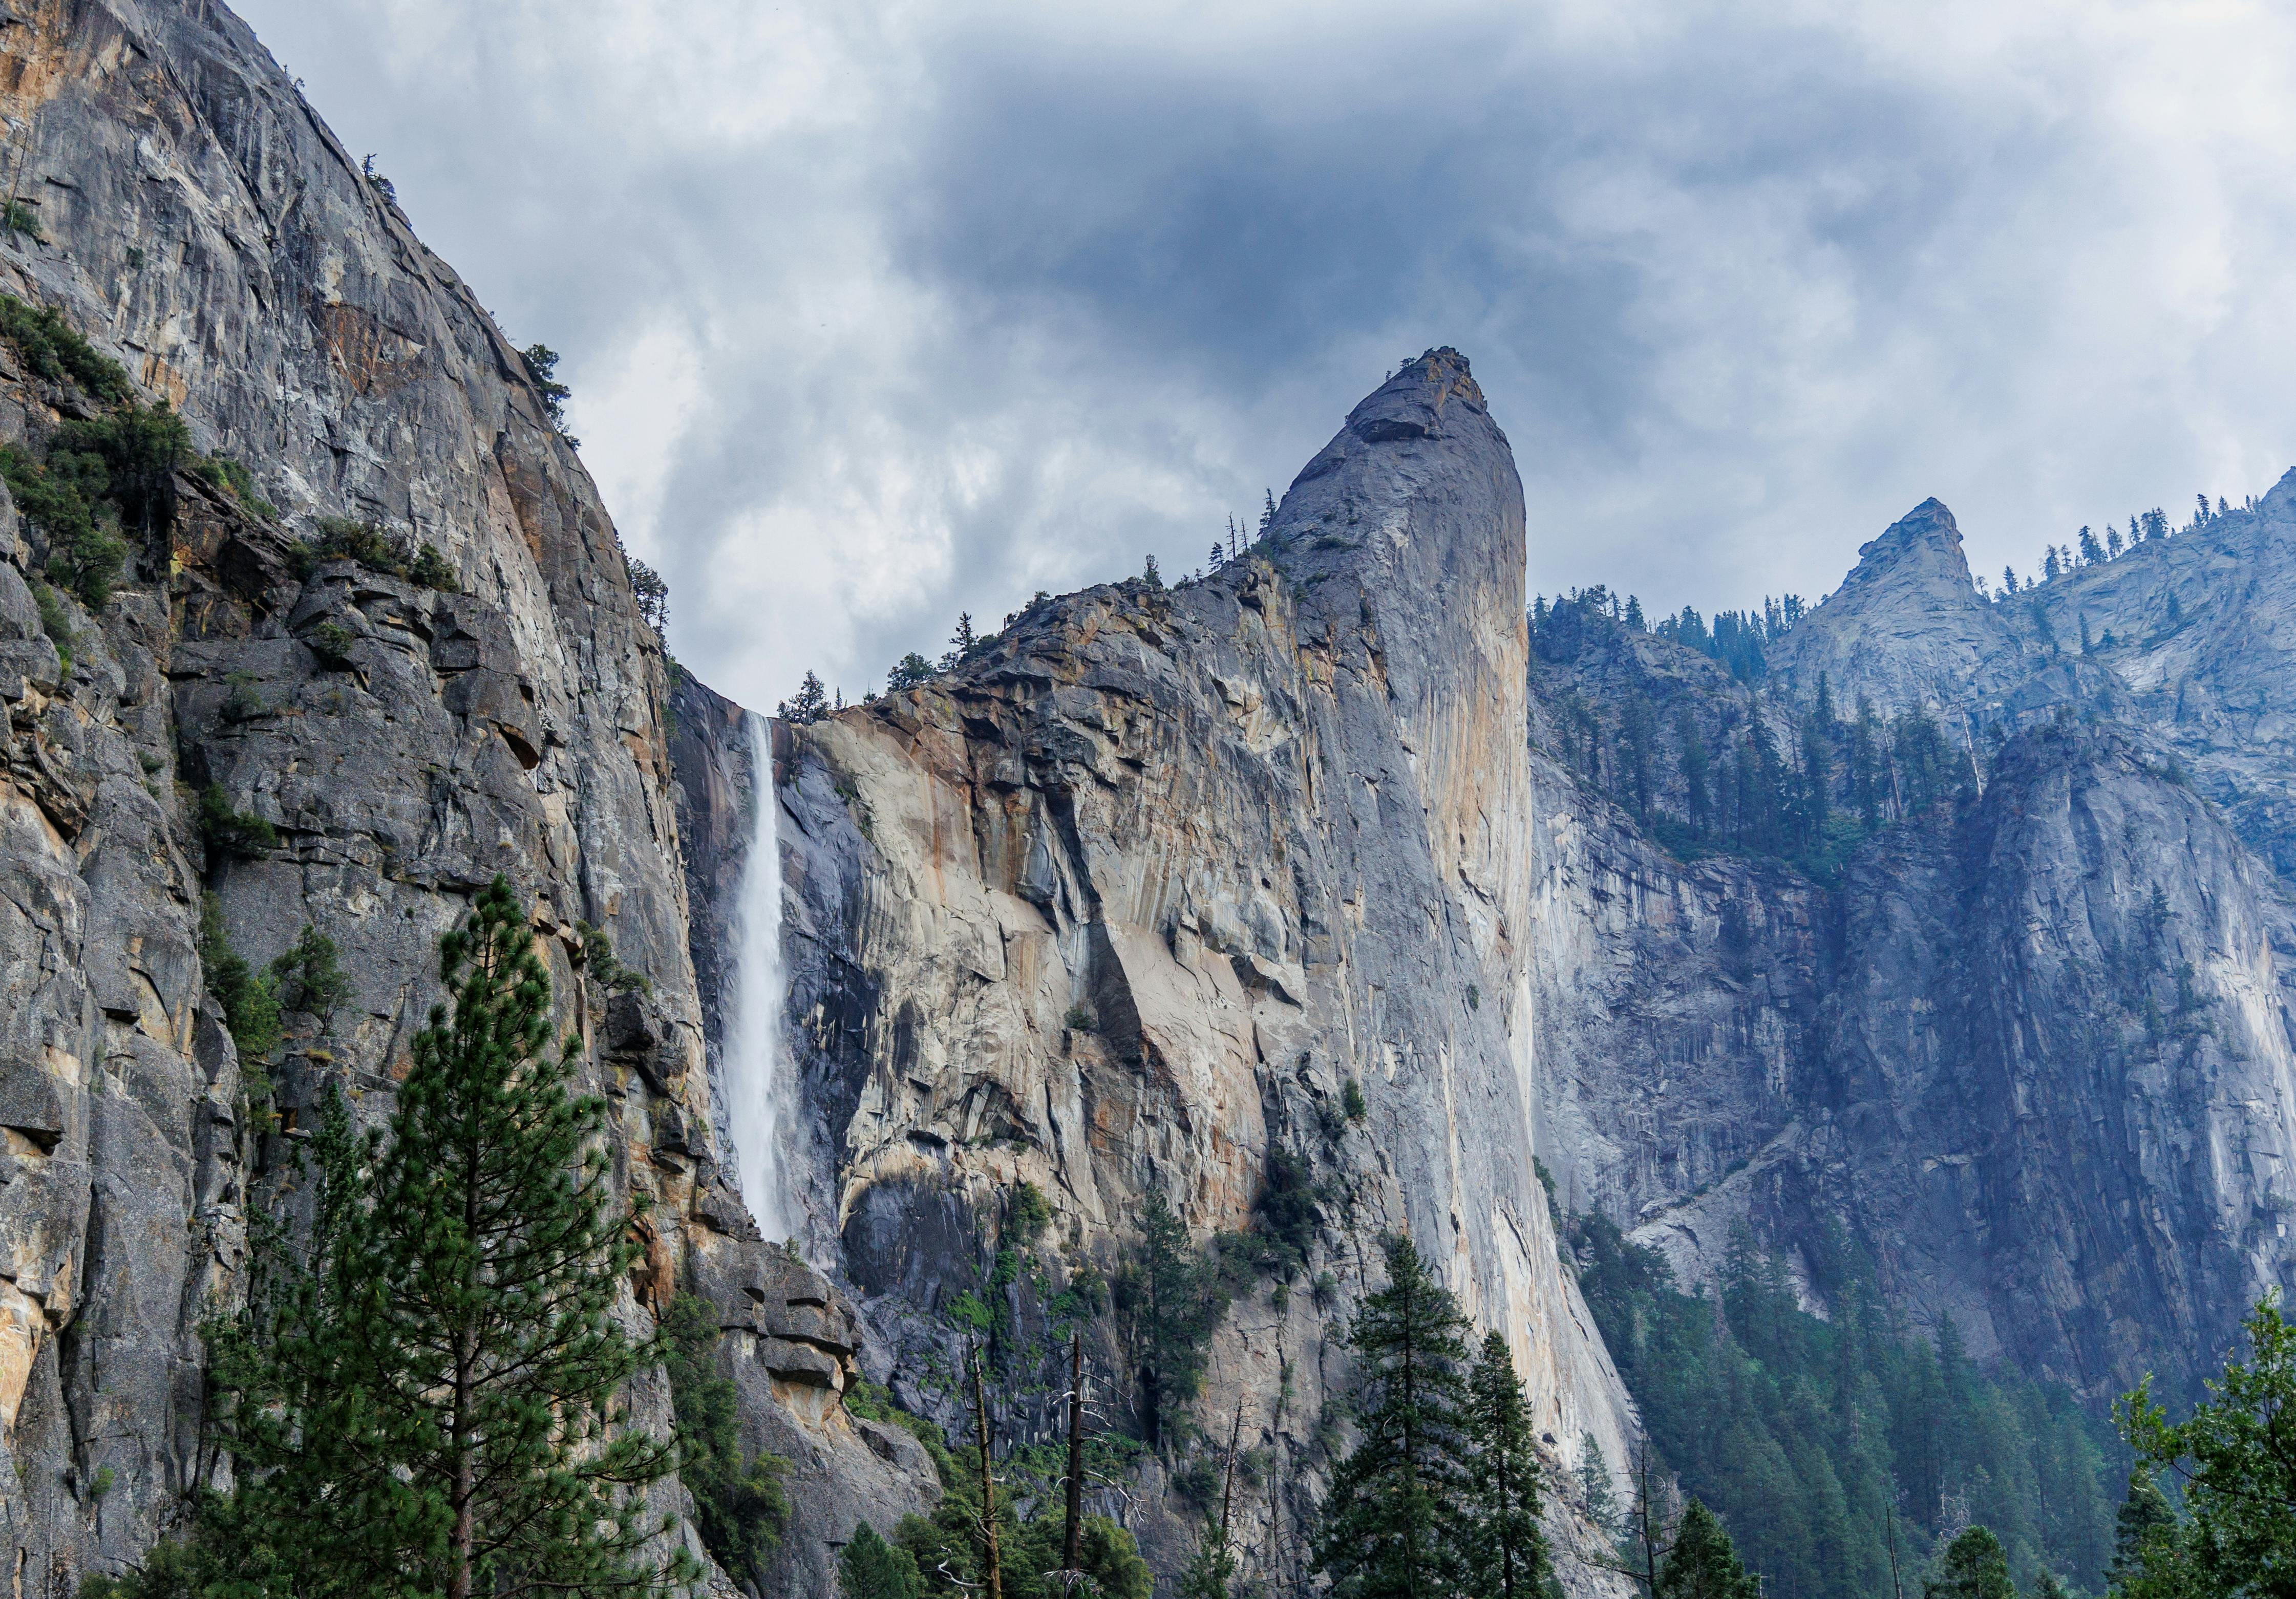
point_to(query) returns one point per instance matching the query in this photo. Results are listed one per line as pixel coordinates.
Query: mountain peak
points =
(1922, 545)
(1905, 625)
(1411, 404)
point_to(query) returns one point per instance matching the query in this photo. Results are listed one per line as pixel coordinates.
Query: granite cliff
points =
(375, 747)
(1132, 894)
(2031, 1041)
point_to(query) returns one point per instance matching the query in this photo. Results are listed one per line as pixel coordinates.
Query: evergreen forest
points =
(1821, 1442)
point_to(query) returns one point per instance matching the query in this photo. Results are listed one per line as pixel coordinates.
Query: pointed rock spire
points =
(1906, 627)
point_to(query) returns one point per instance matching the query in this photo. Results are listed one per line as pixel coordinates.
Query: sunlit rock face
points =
(1125, 899)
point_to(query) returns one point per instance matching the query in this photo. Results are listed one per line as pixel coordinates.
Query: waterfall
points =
(754, 1052)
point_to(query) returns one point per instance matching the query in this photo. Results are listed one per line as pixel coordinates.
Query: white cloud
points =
(876, 312)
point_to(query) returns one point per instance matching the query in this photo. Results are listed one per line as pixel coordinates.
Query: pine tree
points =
(1867, 780)
(1218, 555)
(810, 704)
(1268, 513)
(2144, 1519)
(1391, 1527)
(1973, 1566)
(1703, 1564)
(1696, 799)
(739, 1510)
(912, 670)
(426, 1400)
(1164, 1297)
(1211, 1573)
(1506, 1551)
(870, 1568)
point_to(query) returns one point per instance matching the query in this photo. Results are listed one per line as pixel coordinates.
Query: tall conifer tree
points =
(1973, 1566)
(1506, 1551)
(426, 1402)
(1393, 1525)
(1703, 1564)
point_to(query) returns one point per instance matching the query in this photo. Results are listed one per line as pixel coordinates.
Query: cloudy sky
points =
(880, 310)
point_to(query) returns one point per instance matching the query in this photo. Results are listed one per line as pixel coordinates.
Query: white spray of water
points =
(753, 1061)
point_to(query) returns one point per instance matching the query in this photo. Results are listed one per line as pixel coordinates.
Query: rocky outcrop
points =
(1141, 895)
(1129, 898)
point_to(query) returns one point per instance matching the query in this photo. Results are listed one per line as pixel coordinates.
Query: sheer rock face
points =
(2048, 1103)
(1129, 898)
(406, 743)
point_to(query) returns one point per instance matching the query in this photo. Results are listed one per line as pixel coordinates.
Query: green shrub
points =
(1286, 1210)
(84, 551)
(53, 349)
(347, 538)
(1352, 1101)
(234, 478)
(17, 218)
(1027, 1213)
(56, 623)
(310, 977)
(250, 1000)
(140, 448)
(597, 956)
(429, 568)
(332, 642)
(233, 831)
(873, 1403)
(243, 703)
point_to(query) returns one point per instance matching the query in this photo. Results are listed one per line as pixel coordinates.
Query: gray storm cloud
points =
(876, 313)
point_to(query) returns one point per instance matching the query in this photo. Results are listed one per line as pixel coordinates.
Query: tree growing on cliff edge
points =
(912, 670)
(425, 1400)
(1393, 1526)
(1168, 1301)
(809, 705)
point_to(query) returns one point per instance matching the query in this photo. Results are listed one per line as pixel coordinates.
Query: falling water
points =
(753, 1062)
